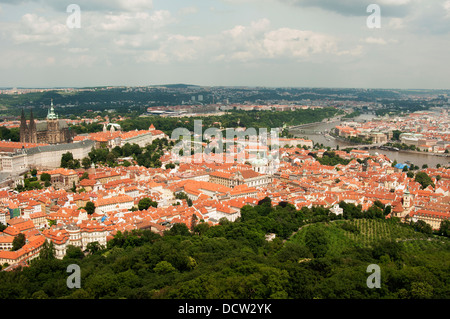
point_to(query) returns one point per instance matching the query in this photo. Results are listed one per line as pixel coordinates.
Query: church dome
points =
(259, 161)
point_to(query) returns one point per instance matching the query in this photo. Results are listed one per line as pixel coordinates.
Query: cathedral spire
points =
(22, 118)
(51, 113)
(32, 128)
(23, 128)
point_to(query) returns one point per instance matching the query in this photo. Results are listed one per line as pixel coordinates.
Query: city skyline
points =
(270, 43)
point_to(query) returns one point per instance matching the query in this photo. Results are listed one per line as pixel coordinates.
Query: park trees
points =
(423, 179)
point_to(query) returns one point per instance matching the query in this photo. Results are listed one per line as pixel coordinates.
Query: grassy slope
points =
(371, 231)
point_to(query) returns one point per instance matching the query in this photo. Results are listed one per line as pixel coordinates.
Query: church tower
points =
(407, 199)
(32, 133)
(23, 128)
(53, 134)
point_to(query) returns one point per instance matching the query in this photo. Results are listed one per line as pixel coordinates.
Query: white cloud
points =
(446, 6)
(89, 5)
(35, 29)
(77, 61)
(380, 41)
(77, 50)
(187, 11)
(393, 2)
(175, 48)
(372, 40)
(397, 8)
(297, 43)
(259, 41)
(396, 23)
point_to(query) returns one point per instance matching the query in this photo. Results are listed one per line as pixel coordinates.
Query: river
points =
(400, 157)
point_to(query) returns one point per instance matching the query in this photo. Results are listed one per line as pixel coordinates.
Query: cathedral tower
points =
(32, 132)
(53, 133)
(23, 128)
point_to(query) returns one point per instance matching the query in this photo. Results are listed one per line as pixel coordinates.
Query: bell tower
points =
(32, 133)
(407, 199)
(53, 134)
(23, 129)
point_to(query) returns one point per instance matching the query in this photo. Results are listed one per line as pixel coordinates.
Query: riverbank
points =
(421, 153)
(341, 139)
(401, 156)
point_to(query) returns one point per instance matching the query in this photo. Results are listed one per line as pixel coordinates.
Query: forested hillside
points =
(315, 254)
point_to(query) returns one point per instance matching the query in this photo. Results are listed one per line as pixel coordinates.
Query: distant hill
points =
(178, 86)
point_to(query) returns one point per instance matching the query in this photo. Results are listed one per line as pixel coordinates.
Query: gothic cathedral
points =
(53, 131)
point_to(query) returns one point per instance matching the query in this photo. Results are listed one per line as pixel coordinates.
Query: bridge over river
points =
(366, 146)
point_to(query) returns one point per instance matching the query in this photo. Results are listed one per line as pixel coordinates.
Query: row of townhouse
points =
(231, 179)
(28, 252)
(433, 218)
(78, 235)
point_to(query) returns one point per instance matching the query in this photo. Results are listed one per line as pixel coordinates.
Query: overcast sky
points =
(275, 43)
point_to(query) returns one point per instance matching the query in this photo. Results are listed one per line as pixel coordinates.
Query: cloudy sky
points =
(288, 43)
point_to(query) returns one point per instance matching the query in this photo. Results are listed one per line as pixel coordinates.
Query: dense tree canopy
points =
(315, 254)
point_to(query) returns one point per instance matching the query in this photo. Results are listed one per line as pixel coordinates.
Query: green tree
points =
(444, 228)
(391, 249)
(74, 187)
(126, 164)
(396, 135)
(145, 203)
(164, 268)
(387, 210)
(84, 176)
(94, 247)
(423, 179)
(66, 160)
(316, 240)
(18, 242)
(47, 251)
(90, 207)
(423, 227)
(40, 294)
(421, 290)
(201, 228)
(183, 195)
(294, 252)
(170, 166)
(178, 229)
(73, 252)
(45, 177)
(86, 162)
(265, 200)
